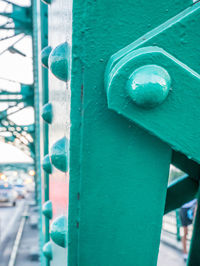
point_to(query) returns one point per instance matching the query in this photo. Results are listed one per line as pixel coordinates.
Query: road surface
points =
(10, 218)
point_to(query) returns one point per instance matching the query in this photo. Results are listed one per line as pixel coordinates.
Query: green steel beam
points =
(45, 98)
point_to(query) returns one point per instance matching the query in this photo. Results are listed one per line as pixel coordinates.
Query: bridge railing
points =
(172, 225)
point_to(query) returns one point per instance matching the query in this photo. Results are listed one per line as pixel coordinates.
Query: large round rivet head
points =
(45, 56)
(59, 231)
(58, 154)
(47, 113)
(148, 86)
(59, 61)
(47, 209)
(46, 164)
(48, 251)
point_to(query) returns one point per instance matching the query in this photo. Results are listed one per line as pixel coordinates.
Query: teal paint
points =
(48, 251)
(180, 28)
(44, 97)
(148, 86)
(98, 141)
(59, 61)
(45, 55)
(48, 2)
(180, 192)
(47, 113)
(109, 155)
(58, 154)
(46, 164)
(167, 120)
(47, 209)
(37, 123)
(59, 231)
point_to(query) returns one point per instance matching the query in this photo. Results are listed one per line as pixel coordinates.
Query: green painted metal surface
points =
(112, 141)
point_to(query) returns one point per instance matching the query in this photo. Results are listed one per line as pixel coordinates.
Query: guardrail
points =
(172, 225)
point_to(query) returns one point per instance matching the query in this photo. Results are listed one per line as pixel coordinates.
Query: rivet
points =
(46, 164)
(47, 113)
(58, 154)
(48, 251)
(148, 86)
(47, 209)
(59, 61)
(45, 55)
(59, 231)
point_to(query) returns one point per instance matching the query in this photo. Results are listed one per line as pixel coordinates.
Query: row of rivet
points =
(58, 232)
(57, 61)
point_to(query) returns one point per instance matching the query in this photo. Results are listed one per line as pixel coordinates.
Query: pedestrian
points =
(187, 213)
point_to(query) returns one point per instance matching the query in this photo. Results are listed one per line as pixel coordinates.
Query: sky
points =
(15, 67)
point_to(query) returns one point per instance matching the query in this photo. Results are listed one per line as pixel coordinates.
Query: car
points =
(8, 194)
(21, 191)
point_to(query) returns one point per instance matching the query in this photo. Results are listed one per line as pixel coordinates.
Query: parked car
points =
(21, 191)
(8, 194)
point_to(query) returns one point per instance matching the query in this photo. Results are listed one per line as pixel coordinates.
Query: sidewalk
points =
(170, 252)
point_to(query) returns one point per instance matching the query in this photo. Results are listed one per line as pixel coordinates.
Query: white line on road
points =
(17, 241)
(11, 222)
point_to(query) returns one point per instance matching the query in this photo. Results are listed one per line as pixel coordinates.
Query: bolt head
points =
(47, 209)
(47, 113)
(45, 56)
(59, 231)
(58, 154)
(59, 61)
(148, 86)
(46, 164)
(48, 251)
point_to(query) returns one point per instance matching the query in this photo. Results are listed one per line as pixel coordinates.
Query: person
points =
(187, 213)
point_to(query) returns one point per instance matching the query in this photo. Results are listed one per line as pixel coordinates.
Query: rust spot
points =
(81, 91)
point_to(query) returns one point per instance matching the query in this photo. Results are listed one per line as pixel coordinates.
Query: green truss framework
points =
(16, 25)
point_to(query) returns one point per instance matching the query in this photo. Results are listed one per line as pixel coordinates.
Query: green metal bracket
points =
(59, 231)
(176, 35)
(178, 112)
